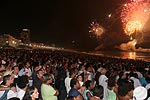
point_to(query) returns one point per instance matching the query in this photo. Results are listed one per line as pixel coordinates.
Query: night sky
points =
(55, 21)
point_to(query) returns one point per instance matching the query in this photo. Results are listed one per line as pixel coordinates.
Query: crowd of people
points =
(63, 75)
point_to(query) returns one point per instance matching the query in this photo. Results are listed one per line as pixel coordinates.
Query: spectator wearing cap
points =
(139, 93)
(103, 82)
(133, 76)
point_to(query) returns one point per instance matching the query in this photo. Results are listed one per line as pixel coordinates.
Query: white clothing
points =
(136, 82)
(103, 82)
(67, 84)
(11, 94)
(1, 93)
(20, 94)
(147, 86)
(89, 76)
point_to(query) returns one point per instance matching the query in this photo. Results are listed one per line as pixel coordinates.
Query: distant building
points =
(8, 40)
(25, 36)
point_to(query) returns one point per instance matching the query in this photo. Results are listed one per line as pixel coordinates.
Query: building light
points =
(6, 41)
(13, 42)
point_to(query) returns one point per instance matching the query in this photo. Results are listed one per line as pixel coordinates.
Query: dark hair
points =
(111, 81)
(87, 83)
(98, 91)
(28, 93)
(14, 67)
(72, 71)
(123, 89)
(78, 76)
(121, 74)
(14, 98)
(23, 81)
(5, 79)
(97, 77)
(35, 64)
(73, 82)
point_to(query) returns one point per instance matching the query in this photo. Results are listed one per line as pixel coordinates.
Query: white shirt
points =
(103, 82)
(136, 82)
(147, 86)
(67, 84)
(20, 93)
(89, 76)
(1, 93)
(11, 94)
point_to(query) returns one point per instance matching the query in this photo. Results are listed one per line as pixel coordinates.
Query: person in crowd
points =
(89, 70)
(37, 81)
(122, 78)
(7, 81)
(80, 79)
(31, 94)
(75, 86)
(97, 93)
(133, 76)
(60, 83)
(26, 70)
(87, 91)
(97, 75)
(36, 67)
(22, 86)
(72, 74)
(125, 91)
(15, 70)
(47, 91)
(139, 93)
(81, 69)
(103, 82)
(111, 88)
(82, 86)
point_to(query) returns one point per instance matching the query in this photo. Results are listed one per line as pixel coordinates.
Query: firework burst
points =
(133, 16)
(96, 29)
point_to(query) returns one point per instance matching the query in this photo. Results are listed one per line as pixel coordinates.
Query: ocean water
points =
(125, 54)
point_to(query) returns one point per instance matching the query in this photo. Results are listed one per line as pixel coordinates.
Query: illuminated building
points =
(25, 36)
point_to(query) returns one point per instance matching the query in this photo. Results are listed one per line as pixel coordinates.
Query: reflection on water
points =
(129, 55)
(126, 54)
